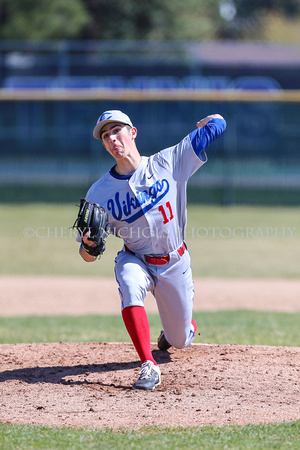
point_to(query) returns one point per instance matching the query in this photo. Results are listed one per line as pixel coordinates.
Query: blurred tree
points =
(188, 19)
(143, 20)
(130, 19)
(244, 19)
(281, 29)
(42, 19)
(151, 19)
(286, 7)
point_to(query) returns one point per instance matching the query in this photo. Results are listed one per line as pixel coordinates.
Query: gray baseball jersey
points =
(148, 209)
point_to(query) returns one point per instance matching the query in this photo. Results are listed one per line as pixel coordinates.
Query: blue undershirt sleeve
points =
(201, 138)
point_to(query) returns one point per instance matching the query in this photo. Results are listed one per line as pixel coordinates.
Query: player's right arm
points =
(85, 255)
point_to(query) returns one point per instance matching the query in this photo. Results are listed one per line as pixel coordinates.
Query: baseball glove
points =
(93, 218)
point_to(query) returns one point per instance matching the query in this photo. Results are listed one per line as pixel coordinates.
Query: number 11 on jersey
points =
(164, 214)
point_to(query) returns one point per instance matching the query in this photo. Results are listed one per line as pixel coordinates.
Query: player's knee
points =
(181, 340)
(132, 295)
(177, 342)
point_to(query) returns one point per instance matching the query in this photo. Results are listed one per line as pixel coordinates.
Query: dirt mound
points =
(75, 384)
(88, 384)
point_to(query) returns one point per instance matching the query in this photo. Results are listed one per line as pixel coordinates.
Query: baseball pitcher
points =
(142, 200)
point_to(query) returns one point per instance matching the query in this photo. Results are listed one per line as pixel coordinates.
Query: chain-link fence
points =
(50, 143)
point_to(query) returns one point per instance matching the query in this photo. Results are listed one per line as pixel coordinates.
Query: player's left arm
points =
(186, 157)
(207, 119)
(208, 129)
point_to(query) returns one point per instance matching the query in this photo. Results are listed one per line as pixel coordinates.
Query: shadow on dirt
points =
(60, 374)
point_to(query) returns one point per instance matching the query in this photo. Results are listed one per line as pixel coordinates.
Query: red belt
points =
(160, 260)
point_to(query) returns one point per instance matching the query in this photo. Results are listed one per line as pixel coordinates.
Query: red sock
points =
(194, 325)
(137, 324)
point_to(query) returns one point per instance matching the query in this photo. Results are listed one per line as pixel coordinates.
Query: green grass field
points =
(267, 436)
(219, 327)
(238, 242)
(235, 242)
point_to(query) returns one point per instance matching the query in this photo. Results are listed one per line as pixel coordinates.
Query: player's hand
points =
(83, 253)
(206, 119)
(86, 240)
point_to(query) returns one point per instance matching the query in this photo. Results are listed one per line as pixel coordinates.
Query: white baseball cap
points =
(110, 116)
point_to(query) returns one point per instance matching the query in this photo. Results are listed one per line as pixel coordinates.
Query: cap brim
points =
(98, 128)
(100, 125)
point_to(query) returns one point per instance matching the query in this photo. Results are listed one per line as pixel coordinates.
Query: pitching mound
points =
(90, 385)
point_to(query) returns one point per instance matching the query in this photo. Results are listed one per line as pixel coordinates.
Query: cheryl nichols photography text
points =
(238, 232)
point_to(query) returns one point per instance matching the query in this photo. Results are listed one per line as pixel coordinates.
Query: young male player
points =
(145, 198)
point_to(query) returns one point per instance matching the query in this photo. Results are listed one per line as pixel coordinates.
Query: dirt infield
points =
(89, 384)
(25, 295)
